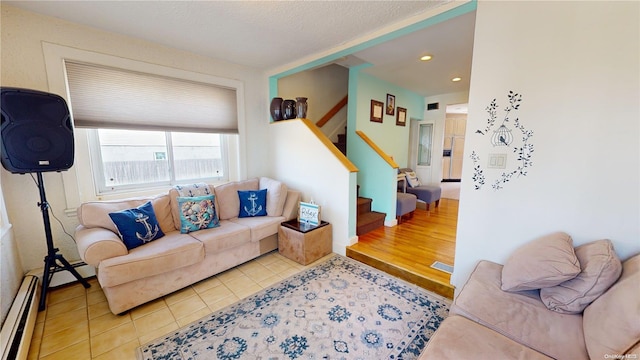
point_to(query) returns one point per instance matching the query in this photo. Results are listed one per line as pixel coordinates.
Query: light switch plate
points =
(497, 161)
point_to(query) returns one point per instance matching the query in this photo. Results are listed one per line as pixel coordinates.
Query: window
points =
(128, 159)
(148, 130)
(425, 144)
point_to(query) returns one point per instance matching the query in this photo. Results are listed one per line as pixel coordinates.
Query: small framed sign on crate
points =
(309, 214)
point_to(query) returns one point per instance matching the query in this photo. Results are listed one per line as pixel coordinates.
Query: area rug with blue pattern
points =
(338, 309)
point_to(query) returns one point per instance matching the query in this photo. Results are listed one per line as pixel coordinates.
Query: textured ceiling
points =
(261, 34)
(269, 34)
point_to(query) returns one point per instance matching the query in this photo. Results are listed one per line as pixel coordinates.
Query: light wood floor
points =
(77, 323)
(409, 249)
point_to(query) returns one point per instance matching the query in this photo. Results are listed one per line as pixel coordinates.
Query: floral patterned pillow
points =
(197, 213)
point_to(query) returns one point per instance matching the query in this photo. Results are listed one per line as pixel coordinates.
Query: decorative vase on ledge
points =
(276, 108)
(301, 107)
(288, 109)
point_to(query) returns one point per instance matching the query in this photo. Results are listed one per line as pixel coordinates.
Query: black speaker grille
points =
(37, 135)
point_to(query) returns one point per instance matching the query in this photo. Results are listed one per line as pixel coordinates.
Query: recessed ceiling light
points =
(426, 58)
(456, 79)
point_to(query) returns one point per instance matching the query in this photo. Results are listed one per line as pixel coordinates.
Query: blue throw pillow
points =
(253, 203)
(137, 226)
(197, 213)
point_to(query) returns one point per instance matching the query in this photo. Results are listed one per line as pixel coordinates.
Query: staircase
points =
(342, 143)
(366, 219)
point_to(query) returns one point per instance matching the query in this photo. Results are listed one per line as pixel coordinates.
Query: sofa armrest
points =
(97, 244)
(290, 210)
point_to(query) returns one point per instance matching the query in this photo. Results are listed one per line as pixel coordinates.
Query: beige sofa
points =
(133, 277)
(487, 322)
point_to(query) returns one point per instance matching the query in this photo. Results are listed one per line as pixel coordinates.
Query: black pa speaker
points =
(37, 134)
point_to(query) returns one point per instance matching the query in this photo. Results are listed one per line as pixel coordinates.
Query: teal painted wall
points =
(377, 179)
(393, 139)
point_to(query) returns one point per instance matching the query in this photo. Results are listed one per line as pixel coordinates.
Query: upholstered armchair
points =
(429, 193)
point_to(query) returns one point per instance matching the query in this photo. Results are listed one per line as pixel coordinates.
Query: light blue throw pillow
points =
(137, 226)
(197, 213)
(252, 203)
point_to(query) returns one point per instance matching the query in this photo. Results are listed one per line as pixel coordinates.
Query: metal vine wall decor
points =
(502, 136)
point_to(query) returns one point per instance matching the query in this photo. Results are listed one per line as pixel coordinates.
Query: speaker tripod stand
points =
(54, 261)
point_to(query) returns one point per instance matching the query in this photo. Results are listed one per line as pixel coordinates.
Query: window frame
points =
(429, 147)
(78, 181)
(99, 180)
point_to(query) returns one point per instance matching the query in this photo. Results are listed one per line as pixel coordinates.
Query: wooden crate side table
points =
(302, 244)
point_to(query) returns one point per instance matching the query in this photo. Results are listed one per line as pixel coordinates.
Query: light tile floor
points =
(77, 323)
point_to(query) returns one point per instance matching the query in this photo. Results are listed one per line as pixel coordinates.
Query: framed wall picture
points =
(401, 119)
(391, 104)
(376, 111)
(309, 214)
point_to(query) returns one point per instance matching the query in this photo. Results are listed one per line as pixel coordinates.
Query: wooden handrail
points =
(334, 110)
(325, 140)
(377, 149)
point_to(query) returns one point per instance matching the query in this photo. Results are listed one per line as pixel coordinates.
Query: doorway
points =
(453, 144)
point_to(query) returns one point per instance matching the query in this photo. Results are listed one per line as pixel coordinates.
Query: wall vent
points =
(433, 106)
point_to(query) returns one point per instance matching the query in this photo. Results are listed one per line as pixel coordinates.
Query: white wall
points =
(324, 87)
(305, 164)
(23, 65)
(576, 65)
(10, 266)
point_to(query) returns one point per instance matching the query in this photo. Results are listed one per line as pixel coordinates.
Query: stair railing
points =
(332, 112)
(388, 159)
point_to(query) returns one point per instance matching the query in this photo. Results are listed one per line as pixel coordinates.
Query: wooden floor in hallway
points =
(409, 249)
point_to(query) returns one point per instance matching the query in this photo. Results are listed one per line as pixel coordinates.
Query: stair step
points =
(364, 205)
(342, 147)
(369, 221)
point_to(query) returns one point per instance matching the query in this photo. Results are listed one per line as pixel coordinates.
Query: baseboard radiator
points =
(17, 329)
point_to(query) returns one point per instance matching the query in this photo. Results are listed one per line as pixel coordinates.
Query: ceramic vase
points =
(288, 109)
(276, 108)
(301, 107)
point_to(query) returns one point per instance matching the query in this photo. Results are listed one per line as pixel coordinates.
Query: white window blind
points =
(103, 97)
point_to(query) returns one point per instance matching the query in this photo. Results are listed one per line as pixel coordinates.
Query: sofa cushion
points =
(520, 316)
(611, 325)
(261, 227)
(173, 196)
(460, 338)
(227, 235)
(96, 213)
(252, 203)
(276, 195)
(544, 262)
(197, 213)
(137, 226)
(173, 251)
(600, 269)
(227, 195)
